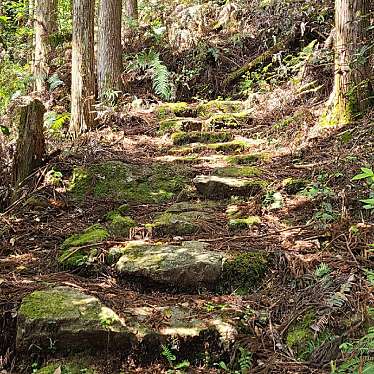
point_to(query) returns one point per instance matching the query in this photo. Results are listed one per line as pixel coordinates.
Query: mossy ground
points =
(219, 106)
(122, 182)
(67, 367)
(241, 171)
(120, 225)
(243, 223)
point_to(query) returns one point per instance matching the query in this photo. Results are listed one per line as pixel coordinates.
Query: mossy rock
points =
(78, 366)
(180, 138)
(73, 258)
(242, 272)
(294, 185)
(238, 171)
(120, 225)
(243, 223)
(184, 218)
(249, 159)
(72, 320)
(223, 187)
(188, 265)
(219, 106)
(227, 120)
(118, 181)
(180, 109)
(180, 124)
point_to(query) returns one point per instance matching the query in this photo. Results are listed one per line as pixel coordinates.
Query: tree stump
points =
(30, 148)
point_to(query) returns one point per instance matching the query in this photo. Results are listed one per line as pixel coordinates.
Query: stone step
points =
(180, 124)
(182, 137)
(215, 187)
(65, 320)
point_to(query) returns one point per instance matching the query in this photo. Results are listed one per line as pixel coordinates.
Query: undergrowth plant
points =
(171, 359)
(367, 175)
(151, 62)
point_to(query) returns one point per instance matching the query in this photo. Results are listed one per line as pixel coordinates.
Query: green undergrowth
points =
(71, 367)
(120, 225)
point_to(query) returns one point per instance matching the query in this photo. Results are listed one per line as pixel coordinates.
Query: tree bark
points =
(82, 76)
(130, 19)
(45, 24)
(109, 48)
(30, 149)
(352, 87)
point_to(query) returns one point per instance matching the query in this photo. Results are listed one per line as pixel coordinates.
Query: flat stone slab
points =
(188, 265)
(66, 319)
(184, 218)
(223, 187)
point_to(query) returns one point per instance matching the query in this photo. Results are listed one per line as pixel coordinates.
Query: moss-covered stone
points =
(238, 171)
(188, 265)
(243, 223)
(249, 159)
(293, 185)
(73, 256)
(120, 225)
(180, 138)
(71, 320)
(180, 124)
(116, 180)
(223, 187)
(228, 120)
(243, 271)
(219, 106)
(180, 109)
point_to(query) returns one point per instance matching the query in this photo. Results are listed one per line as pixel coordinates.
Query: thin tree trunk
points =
(352, 71)
(109, 49)
(130, 19)
(30, 148)
(45, 25)
(83, 79)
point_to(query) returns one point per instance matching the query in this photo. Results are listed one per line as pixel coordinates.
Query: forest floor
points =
(302, 217)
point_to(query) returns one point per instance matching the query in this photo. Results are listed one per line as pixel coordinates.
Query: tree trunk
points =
(109, 49)
(352, 86)
(30, 148)
(45, 25)
(82, 76)
(130, 19)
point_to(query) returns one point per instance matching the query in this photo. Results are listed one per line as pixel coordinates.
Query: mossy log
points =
(263, 57)
(30, 149)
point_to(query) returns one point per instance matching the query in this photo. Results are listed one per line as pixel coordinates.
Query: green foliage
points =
(14, 81)
(322, 270)
(273, 200)
(367, 174)
(243, 362)
(171, 358)
(150, 61)
(54, 82)
(54, 122)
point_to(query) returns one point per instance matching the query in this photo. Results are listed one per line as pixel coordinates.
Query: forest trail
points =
(199, 241)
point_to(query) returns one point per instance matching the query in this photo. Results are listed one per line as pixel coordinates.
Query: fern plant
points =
(150, 60)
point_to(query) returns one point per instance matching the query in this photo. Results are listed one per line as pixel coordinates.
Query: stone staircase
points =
(174, 255)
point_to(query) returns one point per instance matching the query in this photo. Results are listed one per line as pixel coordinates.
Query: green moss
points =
(124, 208)
(73, 367)
(170, 125)
(120, 225)
(73, 258)
(219, 106)
(243, 272)
(180, 109)
(227, 120)
(246, 159)
(233, 146)
(157, 183)
(294, 185)
(180, 138)
(243, 223)
(301, 338)
(232, 171)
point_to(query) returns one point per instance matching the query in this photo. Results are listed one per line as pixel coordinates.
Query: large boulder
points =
(223, 187)
(188, 265)
(65, 319)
